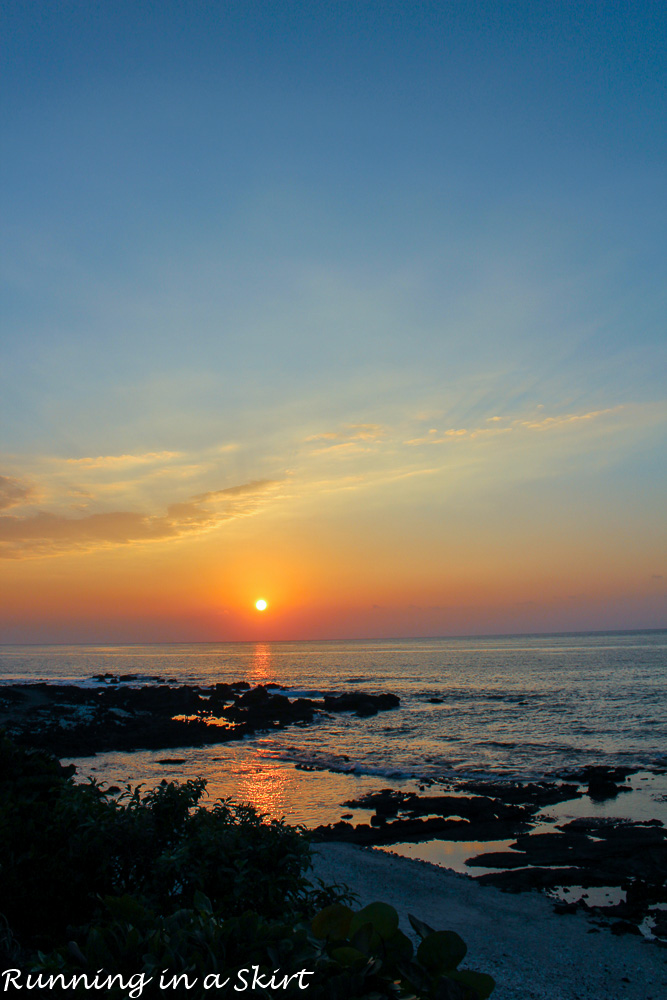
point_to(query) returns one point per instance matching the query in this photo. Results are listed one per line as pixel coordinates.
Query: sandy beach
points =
(532, 953)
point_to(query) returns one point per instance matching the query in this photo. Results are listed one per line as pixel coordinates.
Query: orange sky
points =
(468, 541)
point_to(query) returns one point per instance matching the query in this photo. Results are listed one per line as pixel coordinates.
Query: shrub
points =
(65, 845)
(141, 883)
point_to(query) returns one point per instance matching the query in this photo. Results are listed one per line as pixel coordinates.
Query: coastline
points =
(532, 953)
(609, 866)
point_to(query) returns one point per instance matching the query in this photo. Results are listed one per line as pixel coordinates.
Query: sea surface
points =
(500, 707)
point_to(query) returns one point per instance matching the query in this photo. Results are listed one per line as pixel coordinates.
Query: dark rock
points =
(361, 703)
(391, 802)
(525, 879)
(380, 831)
(604, 826)
(584, 775)
(563, 908)
(256, 696)
(78, 721)
(624, 927)
(535, 793)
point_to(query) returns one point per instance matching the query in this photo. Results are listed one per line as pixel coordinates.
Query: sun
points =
(261, 604)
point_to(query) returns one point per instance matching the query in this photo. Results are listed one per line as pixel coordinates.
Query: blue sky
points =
(235, 230)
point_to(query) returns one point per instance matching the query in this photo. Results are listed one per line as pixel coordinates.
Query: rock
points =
(77, 721)
(535, 793)
(361, 703)
(563, 908)
(623, 927)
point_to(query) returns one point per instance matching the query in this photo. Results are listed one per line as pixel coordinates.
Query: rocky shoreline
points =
(629, 856)
(127, 713)
(78, 721)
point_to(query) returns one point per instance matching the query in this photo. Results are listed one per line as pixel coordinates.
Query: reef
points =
(118, 714)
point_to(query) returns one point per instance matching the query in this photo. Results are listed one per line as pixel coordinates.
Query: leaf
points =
(420, 927)
(348, 956)
(76, 952)
(447, 988)
(333, 922)
(399, 947)
(202, 903)
(414, 975)
(125, 908)
(382, 917)
(442, 951)
(365, 939)
(482, 984)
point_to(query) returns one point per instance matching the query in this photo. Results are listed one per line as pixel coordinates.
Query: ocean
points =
(512, 707)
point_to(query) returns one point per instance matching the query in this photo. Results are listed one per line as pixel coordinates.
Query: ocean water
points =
(510, 707)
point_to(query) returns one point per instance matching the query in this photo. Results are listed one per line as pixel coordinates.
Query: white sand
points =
(532, 953)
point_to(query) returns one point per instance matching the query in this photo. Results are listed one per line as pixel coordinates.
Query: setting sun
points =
(261, 605)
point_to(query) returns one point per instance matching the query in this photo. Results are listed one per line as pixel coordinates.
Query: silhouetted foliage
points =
(135, 884)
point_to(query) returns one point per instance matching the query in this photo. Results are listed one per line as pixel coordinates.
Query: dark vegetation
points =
(92, 883)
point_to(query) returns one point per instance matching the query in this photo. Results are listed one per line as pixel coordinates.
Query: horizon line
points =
(398, 638)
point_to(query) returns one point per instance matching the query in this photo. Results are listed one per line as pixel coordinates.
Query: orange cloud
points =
(545, 423)
(13, 492)
(48, 534)
(436, 437)
(352, 439)
(568, 418)
(123, 461)
(351, 432)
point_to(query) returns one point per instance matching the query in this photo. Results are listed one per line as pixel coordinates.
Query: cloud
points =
(122, 461)
(438, 437)
(434, 436)
(547, 423)
(46, 533)
(351, 432)
(351, 439)
(14, 492)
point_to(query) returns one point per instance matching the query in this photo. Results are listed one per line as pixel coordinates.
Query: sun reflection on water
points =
(260, 669)
(267, 787)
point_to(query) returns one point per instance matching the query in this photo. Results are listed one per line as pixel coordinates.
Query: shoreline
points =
(532, 953)
(506, 839)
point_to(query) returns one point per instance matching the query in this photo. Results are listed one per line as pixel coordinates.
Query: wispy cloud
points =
(123, 461)
(140, 478)
(537, 423)
(350, 438)
(566, 419)
(14, 492)
(351, 432)
(46, 533)
(434, 436)
(60, 504)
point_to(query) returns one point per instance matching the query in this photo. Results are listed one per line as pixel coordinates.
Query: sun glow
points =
(261, 604)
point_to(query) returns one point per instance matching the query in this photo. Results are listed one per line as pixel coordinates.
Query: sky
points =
(357, 307)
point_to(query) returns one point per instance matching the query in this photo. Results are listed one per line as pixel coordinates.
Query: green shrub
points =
(141, 883)
(340, 954)
(65, 845)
